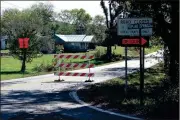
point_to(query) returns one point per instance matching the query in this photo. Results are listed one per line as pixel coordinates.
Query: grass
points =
(10, 67)
(152, 49)
(111, 95)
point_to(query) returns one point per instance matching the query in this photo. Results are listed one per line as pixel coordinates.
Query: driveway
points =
(41, 96)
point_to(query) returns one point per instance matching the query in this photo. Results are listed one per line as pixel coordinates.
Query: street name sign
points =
(132, 26)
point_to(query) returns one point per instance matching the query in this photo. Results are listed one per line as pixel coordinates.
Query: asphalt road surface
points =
(41, 98)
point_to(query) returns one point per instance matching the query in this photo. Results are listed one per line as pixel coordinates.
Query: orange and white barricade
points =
(60, 64)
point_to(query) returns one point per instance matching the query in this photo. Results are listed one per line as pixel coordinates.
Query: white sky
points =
(91, 7)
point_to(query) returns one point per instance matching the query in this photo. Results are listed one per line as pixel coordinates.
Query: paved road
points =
(41, 96)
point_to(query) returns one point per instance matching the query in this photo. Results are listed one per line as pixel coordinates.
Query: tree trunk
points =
(174, 66)
(166, 59)
(174, 46)
(23, 68)
(109, 54)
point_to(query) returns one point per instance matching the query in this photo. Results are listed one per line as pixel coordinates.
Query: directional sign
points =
(134, 42)
(130, 26)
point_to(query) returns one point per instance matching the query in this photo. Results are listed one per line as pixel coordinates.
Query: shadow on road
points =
(21, 104)
(50, 105)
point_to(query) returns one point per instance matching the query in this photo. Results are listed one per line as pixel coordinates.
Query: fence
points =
(59, 63)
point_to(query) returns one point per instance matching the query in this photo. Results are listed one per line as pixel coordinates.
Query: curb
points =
(74, 96)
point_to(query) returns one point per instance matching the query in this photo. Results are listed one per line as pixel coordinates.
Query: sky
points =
(91, 7)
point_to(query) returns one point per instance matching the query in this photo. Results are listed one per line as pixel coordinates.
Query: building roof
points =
(75, 38)
(88, 38)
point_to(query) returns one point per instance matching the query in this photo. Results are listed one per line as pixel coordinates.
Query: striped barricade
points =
(59, 64)
(74, 65)
(73, 56)
(74, 74)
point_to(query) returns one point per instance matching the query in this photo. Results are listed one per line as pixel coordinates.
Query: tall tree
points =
(78, 18)
(97, 28)
(111, 12)
(165, 16)
(45, 13)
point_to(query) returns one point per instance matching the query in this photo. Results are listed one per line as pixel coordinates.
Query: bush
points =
(59, 49)
(43, 67)
(116, 57)
(39, 68)
(99, 53)
(167, 101)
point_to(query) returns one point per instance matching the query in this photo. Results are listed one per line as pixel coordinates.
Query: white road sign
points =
(125, 23)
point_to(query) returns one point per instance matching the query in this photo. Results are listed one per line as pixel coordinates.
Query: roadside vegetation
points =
(160, 99)
(10, 67)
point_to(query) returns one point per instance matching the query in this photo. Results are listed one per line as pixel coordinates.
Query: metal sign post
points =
(126, 78)
(141, 69)
(136, 27)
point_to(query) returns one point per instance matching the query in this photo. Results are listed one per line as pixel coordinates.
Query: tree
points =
(97, 28)
(26, 23)
(65, 16)
(111, 13)
(46, 15)
(78, 18)
(65, 28)
(165, 16)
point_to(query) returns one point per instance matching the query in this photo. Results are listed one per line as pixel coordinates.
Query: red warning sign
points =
(23, 42)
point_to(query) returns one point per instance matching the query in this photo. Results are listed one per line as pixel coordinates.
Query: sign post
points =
(141, 69)
(126, 78)
(136, 27)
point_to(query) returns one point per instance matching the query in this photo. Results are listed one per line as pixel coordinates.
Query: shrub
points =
(116, 57)
(39, 67)
(99, 53)
(43, 67)
(59, 49)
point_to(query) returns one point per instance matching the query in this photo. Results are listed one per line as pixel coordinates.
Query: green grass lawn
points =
(10, 67)
(160, 102)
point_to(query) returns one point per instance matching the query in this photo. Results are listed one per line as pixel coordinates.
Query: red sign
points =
(133, 41)
(23, 42)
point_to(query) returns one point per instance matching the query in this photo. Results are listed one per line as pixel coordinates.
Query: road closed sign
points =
(132, 26)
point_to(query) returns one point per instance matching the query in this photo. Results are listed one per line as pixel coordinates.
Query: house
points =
(3, 42)
(74, 43)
